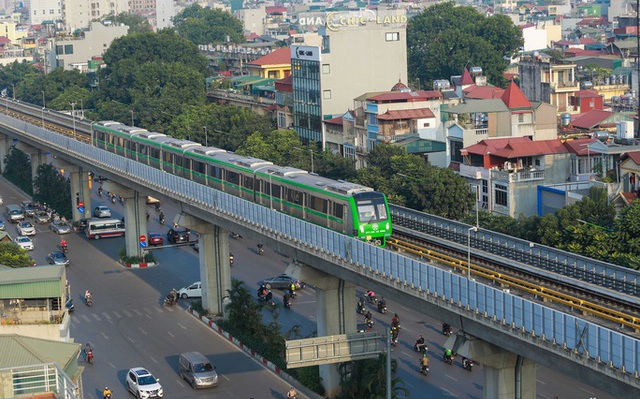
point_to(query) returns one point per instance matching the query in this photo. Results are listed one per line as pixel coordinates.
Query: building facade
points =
(543, 80)
(361, 51)
(77, 14)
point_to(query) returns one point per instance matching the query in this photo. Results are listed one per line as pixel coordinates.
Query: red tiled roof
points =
(629, 197)
(634, 156)
(587, 40)
(4, 39)
(284, 84)
(281, 56)
(275, 10)
(514, 147)
(579, 146)
(466, 78)
(334, 121)
(525, 26)
(422, 95)
(251, 36)
(418, 113)
(510, 76)
(513, 97)
(587, 93)
(482, 92)
(593, 21)
(591, 119)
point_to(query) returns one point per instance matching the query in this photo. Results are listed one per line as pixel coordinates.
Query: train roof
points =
(179, 144)
(204, 151)
(313, 180)
(129, 130)
(107, 123)
(150, 135)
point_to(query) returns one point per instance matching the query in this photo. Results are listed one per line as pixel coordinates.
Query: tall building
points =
(78, 13)
(362, 51)
(44, 10)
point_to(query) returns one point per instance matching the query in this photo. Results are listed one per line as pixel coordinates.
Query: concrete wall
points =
(58, 332)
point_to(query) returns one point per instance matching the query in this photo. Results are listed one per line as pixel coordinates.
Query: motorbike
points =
(88, 301)
(161, 219)
(287, 304)
(107, 396)
(65, 248)
(100, 192)
(158, 208)
(361, 308)
(121, 199)
(268, 299)
(424, 370)
(70, 306)
(231, 259)
(446, 329)
(382, 307)
(371, 297)
(394, 336)
(448, 359)
(235, 236)
(422, 348)
(260, 249)
(113, 199)
(369, 323)
(90, 356)
(169, 301)
(467, 364)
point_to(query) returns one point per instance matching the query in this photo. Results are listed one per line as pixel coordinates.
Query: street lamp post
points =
(44, 104)
(477, 192)
(81, 109)
(73, 114)
(13, 91)
(475, 230)
(132, 124)
(310, 152)
(206, 137)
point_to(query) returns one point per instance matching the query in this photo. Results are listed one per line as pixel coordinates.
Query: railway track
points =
(570, 296)
(566, 293)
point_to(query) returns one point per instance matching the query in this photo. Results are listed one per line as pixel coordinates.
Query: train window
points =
(382, 210)
(232, 177)
(142, 149)
(247, 182)
(264, 187)
(215, 172)
(167, 157)
(100, 135)
(120, 142)
(295, 196)
(277, 190)
(338, 210)
(318, 204)
(154, 153)
(178, 161)
(198, 166)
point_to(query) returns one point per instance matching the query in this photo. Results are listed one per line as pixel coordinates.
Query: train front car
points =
(372, 220)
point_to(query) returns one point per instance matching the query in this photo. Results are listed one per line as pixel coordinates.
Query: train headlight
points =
(361, 228)
(388, 226)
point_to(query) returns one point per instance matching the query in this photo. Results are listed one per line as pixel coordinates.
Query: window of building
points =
(520, 118)
(392, 36)
(326, 68)
(282, 120)
(349, 152)
(326, 44)
(426, 124)
(592, 103)
(501, 194)
(326, 94)
(455, 148)
(68, 48)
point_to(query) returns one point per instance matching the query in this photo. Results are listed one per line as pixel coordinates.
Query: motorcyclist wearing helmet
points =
(63, 244)
(106, 393)
(292, 394)
(395, 322)
(424, 363)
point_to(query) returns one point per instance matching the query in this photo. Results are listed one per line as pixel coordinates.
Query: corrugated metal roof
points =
(473, 106)
(17, 350)
(32, 282)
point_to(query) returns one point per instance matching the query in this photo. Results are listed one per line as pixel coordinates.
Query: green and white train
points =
(345, 207)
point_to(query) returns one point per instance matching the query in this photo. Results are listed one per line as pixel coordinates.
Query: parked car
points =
(24, 242)
(41, 217)
(190, 291)
(102, 212)
(143, 384)
(58, 258)
(282, 281)
(28, 208)
(60, 227)
(177, 235)
(26, 229)
(155, 239)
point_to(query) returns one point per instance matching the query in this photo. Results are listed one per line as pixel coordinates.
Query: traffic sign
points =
(143, 244)
(80, 204)
(143, 238)
(81, 209)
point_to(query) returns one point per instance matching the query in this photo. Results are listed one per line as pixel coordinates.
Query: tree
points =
(136, 23)
(13, 256)
(366, 379)
(445, 38)
(53, 188)
(206, 25)
(17, 169)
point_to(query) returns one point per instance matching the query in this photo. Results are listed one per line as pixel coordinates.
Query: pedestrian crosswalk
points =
(115, 315)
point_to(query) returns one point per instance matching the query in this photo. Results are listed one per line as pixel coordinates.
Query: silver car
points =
(102, 212)
(60, 227)
(24, 242)
(41, 217)
(26, 229)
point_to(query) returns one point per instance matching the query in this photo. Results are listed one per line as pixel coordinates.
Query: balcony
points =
(472, 172)
(561, 87)
(38, 381)
(511, 176)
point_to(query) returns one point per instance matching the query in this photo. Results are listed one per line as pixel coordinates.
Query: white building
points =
(78, 13)
(45, 10)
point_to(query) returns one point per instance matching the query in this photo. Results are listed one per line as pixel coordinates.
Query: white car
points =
(24, 242)
(143, 384)
(190, 291)
(102, 212)
(26, 229)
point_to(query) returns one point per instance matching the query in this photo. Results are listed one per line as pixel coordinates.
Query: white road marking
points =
(106, 316)
(449, 392)
(172, 336)
(139, 313)
(117, 314)
(86, 318)
(225, 377)
(589, 392)
(407, 353)
(127, 313)
(159, 310)
(112, 365)
(146, 310)
(130, 339)
(181, 326)
(448, 376)
(541, 382)
(147, 314)
(154, 360)
(142, 331)
(179, 381)
(95, 316)
(104, 335)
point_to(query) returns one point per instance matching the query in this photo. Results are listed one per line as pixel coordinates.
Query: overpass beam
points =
(506, 375)
(215, 270)
(335, 312)
(135, 215)
(5, 145)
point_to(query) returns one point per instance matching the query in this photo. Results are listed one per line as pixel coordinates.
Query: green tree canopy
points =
(445, 38)
(53, 188)
(136, 23)
(17, 169)
(13, 256)
(205, 25)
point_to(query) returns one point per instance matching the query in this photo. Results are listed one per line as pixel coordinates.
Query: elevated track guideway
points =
(604, 294)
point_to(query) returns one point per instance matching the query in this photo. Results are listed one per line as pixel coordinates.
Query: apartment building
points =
(77, 14)
(543, 80)
(326, 78)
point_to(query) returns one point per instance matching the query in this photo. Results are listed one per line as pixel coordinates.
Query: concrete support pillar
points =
(215, 270)
(335, 312)
(5, 145)
(506, 375)
(135, 215)
(36, 156)
(79, 184)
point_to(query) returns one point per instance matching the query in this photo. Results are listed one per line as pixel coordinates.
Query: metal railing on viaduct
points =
(562, 341)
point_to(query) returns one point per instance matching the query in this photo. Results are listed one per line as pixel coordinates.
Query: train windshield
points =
(371, 209)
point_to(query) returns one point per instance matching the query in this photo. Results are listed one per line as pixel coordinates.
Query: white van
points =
(15, 213)
(190, 291)
(102, 228)
(196, 369)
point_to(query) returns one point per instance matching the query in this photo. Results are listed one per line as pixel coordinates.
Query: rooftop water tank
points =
(565, 119)
(624, 130)
(475, 71)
